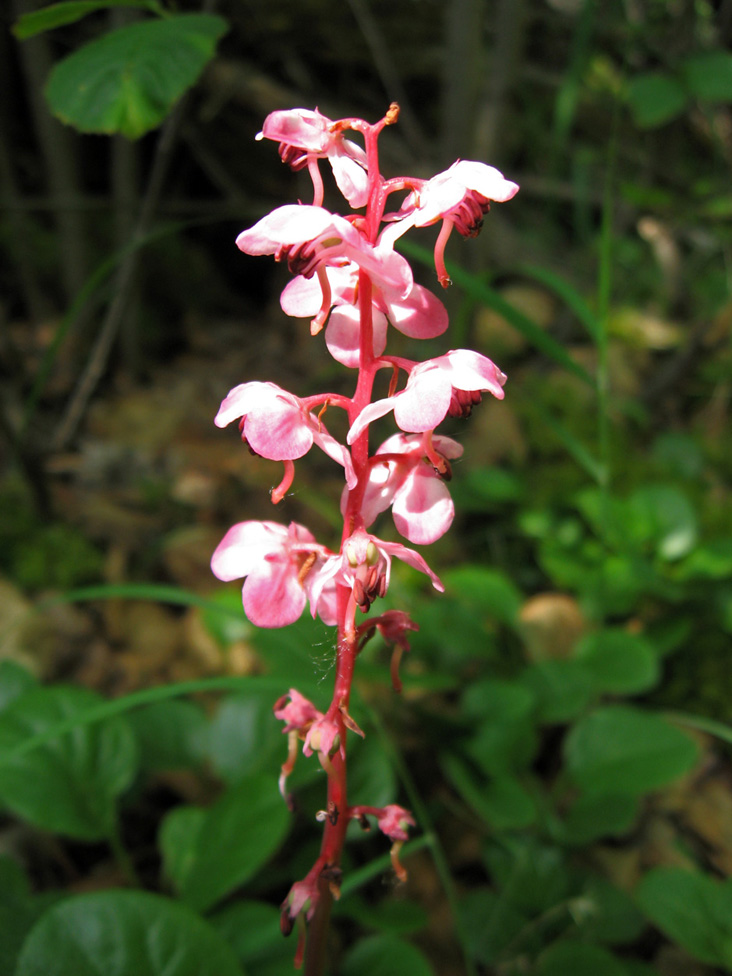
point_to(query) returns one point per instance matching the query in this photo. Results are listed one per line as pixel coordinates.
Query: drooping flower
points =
(304, 135)
(408, 481)
(452, 384)
(311, 239)
(279, 564)
(276, 425)
(364, 565)
(460, 196)
(419, 314)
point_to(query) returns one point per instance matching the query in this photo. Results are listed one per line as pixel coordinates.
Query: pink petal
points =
(272, 595)
(370, 413)
(468, 370)
(424, 402)
(298, 127)
(334, 449)
(351, 179)
(245, 546)
(278, 430)
(423, 509)
(239, 401)
(413, 559)
(343, 335)
(292, 224)
(484, 179)
(421, 315)
(301, 297)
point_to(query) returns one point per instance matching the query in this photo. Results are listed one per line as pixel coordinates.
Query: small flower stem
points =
(335, 827)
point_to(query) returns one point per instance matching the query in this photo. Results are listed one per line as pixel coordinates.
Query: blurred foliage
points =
(547, 738)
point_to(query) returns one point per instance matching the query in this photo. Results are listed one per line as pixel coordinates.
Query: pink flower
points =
(364, 565)
(278, 564)
(408, 480)
(304, 135)
(322, 737)
(298, 714)
(394, 821)
(449, 384)
(311, 239)
(419, 314)
(276, 425)
(460, 196)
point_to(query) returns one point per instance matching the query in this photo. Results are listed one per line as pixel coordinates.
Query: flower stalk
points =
(352, 285)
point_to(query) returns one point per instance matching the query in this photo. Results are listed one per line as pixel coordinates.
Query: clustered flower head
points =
(351, 284)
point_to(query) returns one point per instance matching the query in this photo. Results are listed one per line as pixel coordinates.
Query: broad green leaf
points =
(252, 929)
(68, 12)
(19, 911)
(178, 839)
(394, 915)
(620, 663)
(501, 714)
(655, 98)
(491, 923)
(124, 933)
(619, 749)
(244, 736)
(595, 816)
(708, 76)
(692, 909)
(14, 682)
(608, 915)
(233, 840)
(129, 80)
(534, 877)
(371, 777)
(170, 735)
(578, 959)
(70, 784)
(385, 955)
(563, 689)
(488, 591)
(711, 561)
(662, 515)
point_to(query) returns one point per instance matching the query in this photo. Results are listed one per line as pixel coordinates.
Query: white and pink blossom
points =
(448, 384)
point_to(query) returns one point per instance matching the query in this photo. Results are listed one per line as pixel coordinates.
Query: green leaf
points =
(170, 735)
(563, 689)
(371, 777)
(487, 590)
(18, 912)
(68, 12)
(124, 933)
(233, 840)
(252, 929)
(691, 909)
(664, 516)
(708, 76)
(609, 915)
(244, 737)
(70, 784)
(620, 663)
(619, 749)
(129, 80)
(385, 955)
(501, 713)
(578, 959)
(532, 876)
(391, 914)
(655, 98)
(14, 682)
(595, 816)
